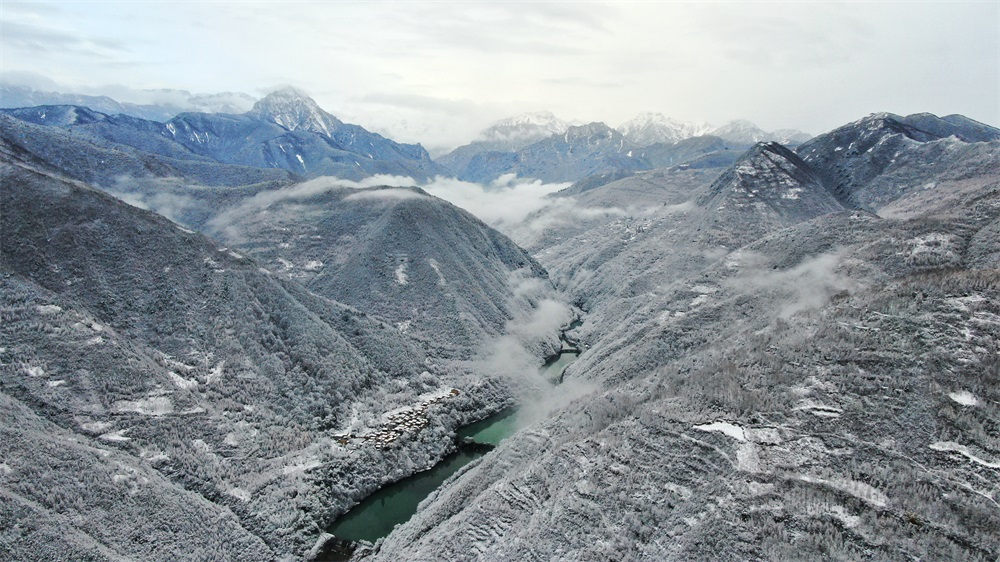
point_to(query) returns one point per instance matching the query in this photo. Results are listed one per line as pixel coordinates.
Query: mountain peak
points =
(740, 130)
(524, 129)
(293, 109)
(649, 128)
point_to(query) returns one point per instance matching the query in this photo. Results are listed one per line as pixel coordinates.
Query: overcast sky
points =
(439, 72)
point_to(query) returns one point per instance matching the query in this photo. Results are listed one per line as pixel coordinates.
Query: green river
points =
(391, 505)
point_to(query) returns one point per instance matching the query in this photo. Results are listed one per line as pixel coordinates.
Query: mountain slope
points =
(423, 265)
(651, 128)
(870, 162)
(215, 386)
(580, 152)
(813, 385)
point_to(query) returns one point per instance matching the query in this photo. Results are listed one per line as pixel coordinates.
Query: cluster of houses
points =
(412, 420)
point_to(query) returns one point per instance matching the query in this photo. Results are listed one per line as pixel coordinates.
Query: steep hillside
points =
(690, 150)
(428, 268)
(779, 379)
(868, 163)
(204, 387)
(107, 164)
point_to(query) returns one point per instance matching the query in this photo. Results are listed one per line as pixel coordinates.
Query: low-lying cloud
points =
(504, 201)
(809, 285)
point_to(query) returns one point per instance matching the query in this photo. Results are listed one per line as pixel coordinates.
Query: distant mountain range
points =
(285, 130)
(288, 130)
(650, 140)
(173, 102)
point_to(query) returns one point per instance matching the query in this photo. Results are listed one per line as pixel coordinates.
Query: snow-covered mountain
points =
(650, 128)
(285, 130)
(578, 152)
(294, 110)
(785, 354)
(520, 131)
(168, 103)
(740, 130)
(763, 356)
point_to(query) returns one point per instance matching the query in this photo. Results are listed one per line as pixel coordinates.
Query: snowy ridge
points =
(650, 128)
(294, 110)
(524, 129)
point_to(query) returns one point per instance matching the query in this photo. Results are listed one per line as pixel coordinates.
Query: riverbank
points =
(376, 515)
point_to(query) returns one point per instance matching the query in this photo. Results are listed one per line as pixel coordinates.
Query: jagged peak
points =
(648, 127)
(293, 109)
(525, 128)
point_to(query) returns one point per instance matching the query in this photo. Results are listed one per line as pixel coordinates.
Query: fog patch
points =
(504, 201)
(809, 285)
(226, 222)
(391, 194)
(158, 195)
(529, 337)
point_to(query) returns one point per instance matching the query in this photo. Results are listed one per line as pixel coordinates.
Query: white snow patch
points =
(437, 269)
(734, 431)
(857, 489)
(401, 274)
(59, 382)
(216, 373)
(849, 521)
(240, 494)
(747, 458)
(184, 230)
(4, 468)
(286, 264)
(699, 300)
(47, 309)
(117, 436)
(964, 397)
(152, 455)
(182, 382)
(403, 326)
(156, 406)
(96, 427)
(96, 340)
(302, 466)
(312, 265)
(951, 446)
(683, 491)
(34, 371)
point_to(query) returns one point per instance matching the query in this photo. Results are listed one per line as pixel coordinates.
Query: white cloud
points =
(507, 200)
